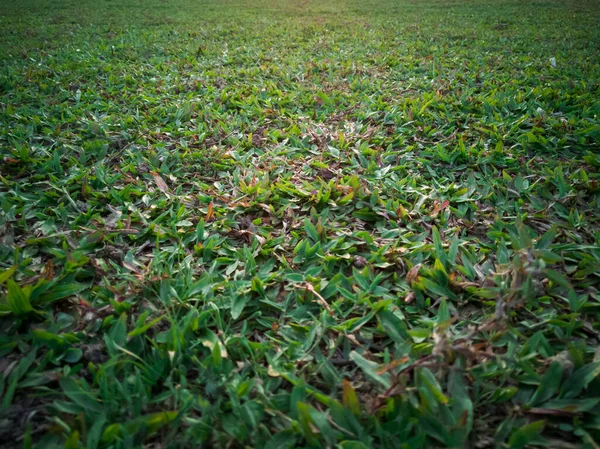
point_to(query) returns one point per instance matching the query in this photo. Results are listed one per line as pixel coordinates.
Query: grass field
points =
(299, 224)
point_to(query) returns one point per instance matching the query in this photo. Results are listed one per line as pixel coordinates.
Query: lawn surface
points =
(276, 224)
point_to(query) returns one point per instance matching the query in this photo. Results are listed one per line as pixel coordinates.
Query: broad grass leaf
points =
(6, 274)
(95, 433)
(18, 299)
(118, 332)
(438, 289)
(60, 291)
(298, 395)
(142, 329)
(216, 355)
(209, 340)
(462, 406)
(439, 247)
(352, 445)
(579, 380)
(443, 313)
(557, 278)
(238, 303)
(285, 439)
(571, 405)
(320, 420)
(349, 397)
(151, 422)
(371, 369)
(344, 418)
(306, 422)
(429, 388)
(311, 230)
(111, 432)
(549, 384)
(525, 434)
(394, 327)
(14, 377)
(73, 355)
(79, 396)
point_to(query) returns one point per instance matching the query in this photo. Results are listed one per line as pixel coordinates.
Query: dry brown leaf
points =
(393, 364)
(438, 207)
(353, 339)
(413, 273)
(131, 267)
(48, 271)
(209, 212)
(160, 183)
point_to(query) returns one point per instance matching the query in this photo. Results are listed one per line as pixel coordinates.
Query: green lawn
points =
(299, 224)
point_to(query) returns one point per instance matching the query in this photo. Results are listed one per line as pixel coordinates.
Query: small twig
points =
(308, 286)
